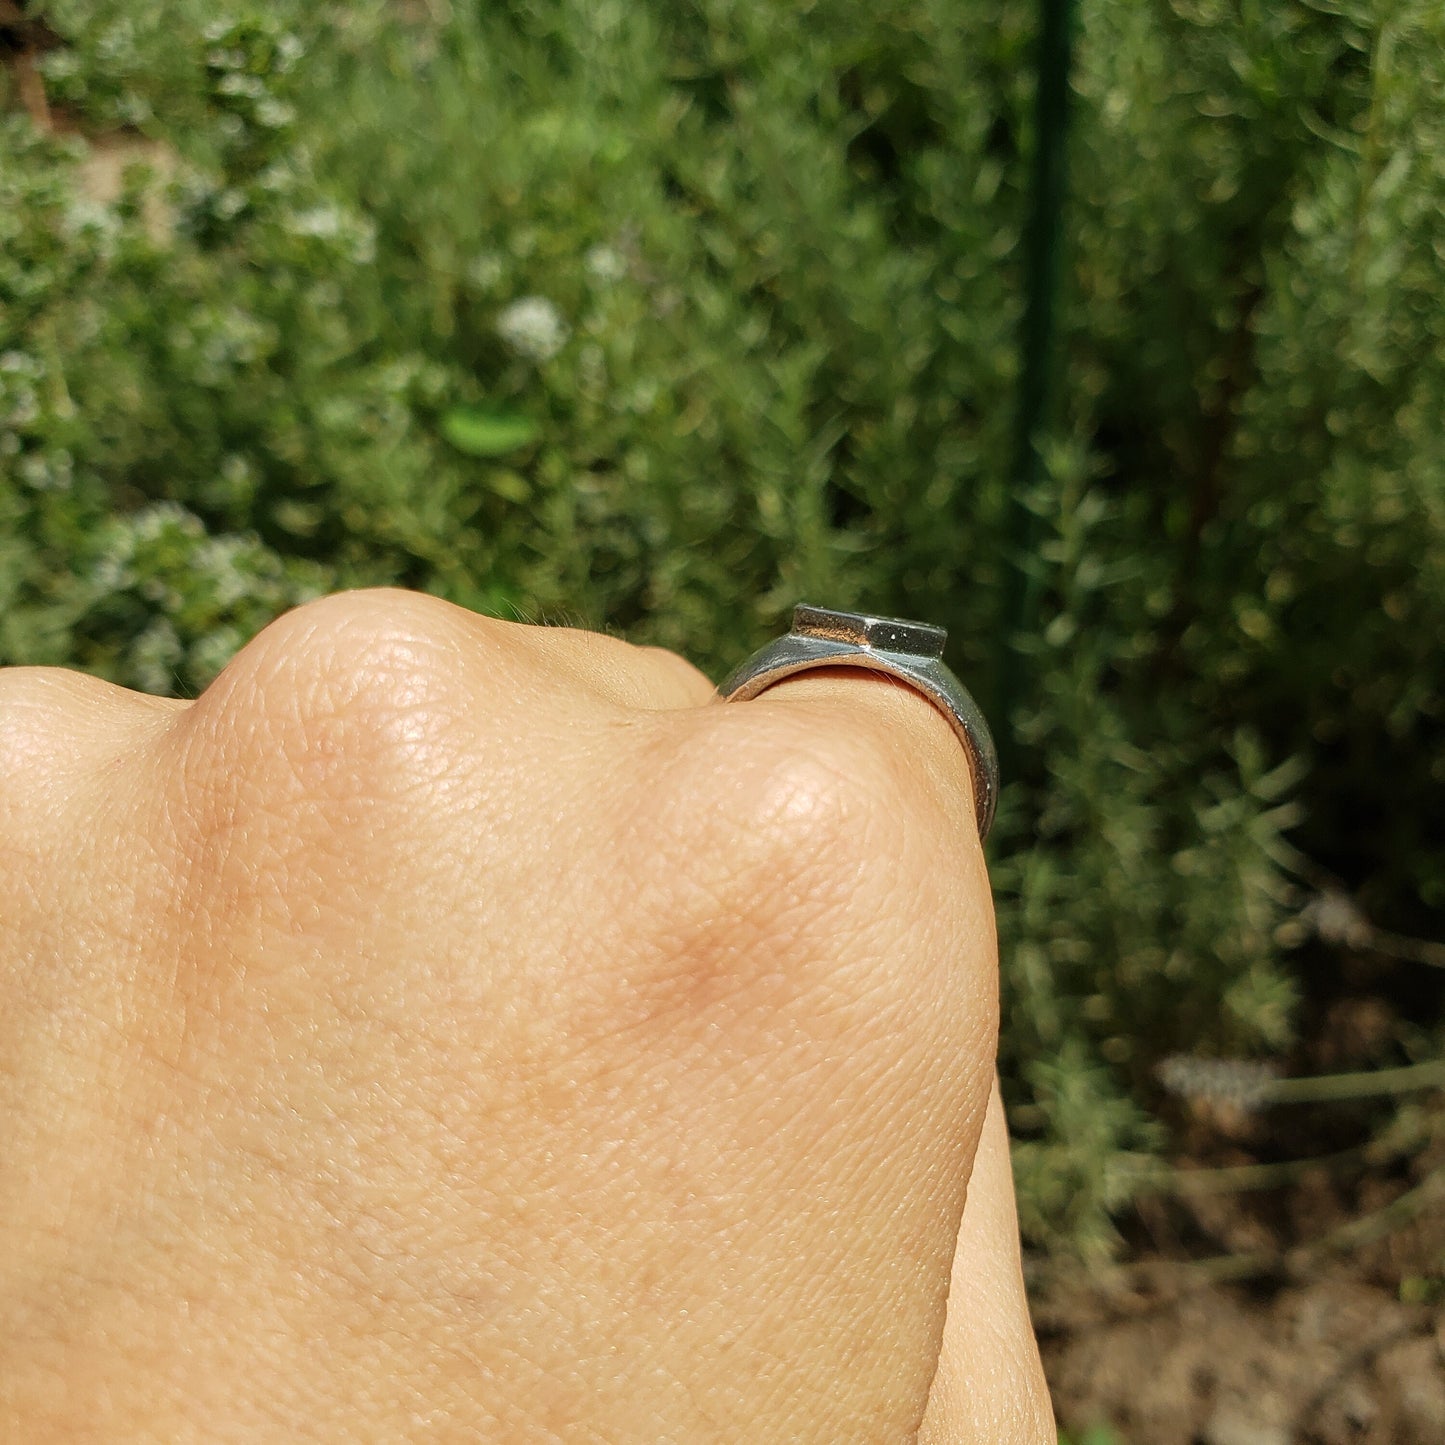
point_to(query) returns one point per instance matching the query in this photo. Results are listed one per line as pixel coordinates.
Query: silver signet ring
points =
(912, 652)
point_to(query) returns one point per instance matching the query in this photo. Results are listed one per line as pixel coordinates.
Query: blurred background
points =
(1112, 340)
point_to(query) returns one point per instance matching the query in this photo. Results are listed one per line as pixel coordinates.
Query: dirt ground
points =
(1335, 1362)
(1288, 1288)
(1312, 1346)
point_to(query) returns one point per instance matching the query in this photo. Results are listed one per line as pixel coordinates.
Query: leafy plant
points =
(655, 318)
(1096, 1435)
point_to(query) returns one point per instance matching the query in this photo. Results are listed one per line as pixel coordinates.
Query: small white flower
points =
(592, 369)
(110, 574)
(155, 655)
(115, 40)
(1336, 918)
(83, 217)
(1245, 1083)
(236, 469)
(605, 263)
(289, 49)
(229, 203)
(236, 83)
(356, 235)
(46, 472)
(486, 270)
(273, 113)
(59, 65)
(223, 560)
(321, 221)
(134, 110)
(154, 521)
(19, 406)
(533, 328)
(212, 652)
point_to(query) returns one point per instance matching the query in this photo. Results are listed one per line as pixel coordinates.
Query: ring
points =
(912, 652)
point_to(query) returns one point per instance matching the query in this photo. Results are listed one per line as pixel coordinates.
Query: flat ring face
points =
(908, 651)
(892, 634)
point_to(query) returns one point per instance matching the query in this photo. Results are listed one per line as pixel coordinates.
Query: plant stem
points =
(1371, 1084)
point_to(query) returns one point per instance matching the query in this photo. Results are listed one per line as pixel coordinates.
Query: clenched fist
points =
(444, 1029)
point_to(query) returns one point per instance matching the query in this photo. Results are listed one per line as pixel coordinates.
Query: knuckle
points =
(765, 839)
(674, 680)
(826, 804)
(607, 668)
(337, 645)
(836, 854)
(819, 810)
(322, 745)
(357, 689)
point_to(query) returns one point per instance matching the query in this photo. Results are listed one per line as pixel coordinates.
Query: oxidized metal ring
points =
(912, 652)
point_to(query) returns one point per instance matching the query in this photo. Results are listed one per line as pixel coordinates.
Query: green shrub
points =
(660, 317)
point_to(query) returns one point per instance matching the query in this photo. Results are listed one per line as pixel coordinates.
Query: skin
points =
(446, 1029)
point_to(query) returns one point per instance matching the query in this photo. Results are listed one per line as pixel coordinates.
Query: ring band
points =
(912, 652)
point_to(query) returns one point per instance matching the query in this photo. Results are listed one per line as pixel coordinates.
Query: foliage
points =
(659, 317)
(1096, 1435)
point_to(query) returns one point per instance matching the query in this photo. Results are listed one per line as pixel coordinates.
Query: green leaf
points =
(488, 433)
(509, 485)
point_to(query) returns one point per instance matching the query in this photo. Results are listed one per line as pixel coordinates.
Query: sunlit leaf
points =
(488, 433)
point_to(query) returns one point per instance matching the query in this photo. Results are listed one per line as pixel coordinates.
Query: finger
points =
(931, 787)
(990, 1384)
(61, 691)
(648, 678)
(913, 754)
(916, 736)
(482, 652)
(55, 719)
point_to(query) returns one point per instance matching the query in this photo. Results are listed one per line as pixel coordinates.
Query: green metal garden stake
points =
(1036, 360)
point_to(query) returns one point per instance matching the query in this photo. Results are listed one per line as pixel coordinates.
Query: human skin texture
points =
(445, 1029)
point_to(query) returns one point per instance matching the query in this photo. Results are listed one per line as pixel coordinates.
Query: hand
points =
(447, 1029)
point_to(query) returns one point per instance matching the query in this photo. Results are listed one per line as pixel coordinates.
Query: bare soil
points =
(1336, 1362)
(1315, 1345)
